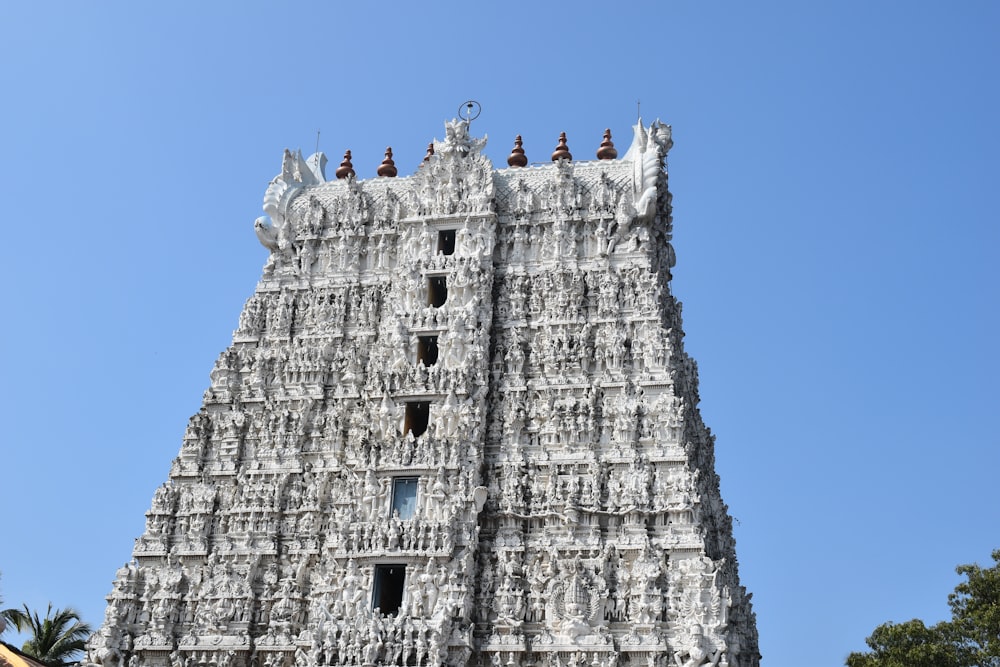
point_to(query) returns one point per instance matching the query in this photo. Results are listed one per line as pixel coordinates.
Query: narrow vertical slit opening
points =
(427, 350)
(387, 592)
(446, 242)
(417, 416)
(437, 291)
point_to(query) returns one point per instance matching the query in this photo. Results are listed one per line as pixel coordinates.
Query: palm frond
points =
(54, 640)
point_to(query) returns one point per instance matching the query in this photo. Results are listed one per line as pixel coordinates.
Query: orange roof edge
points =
(11, 657)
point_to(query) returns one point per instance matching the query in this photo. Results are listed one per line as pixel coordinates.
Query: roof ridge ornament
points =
(428, 156)
(346, 168)
(657, 136)
(562, 150)
(388, 167)
(517, 157)
(472, 110)
(607, 150)
(648, 150)
(457, 140)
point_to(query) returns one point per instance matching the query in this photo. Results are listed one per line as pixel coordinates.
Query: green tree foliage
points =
(55, 640)
(6, 617)
(6, 620)
(970, 639)
(909, 644)
(975, 607)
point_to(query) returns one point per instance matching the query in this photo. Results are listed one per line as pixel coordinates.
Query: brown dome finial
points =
(430, 153)
(607, 151)
(346, 168)
(388, 167)
(562, 150)
(517, 157)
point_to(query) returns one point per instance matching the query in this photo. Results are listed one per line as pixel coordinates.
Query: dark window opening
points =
(437, 291)
(387, 593)
(427, 350)
(404, 497)
(417, 416)
(446, 241)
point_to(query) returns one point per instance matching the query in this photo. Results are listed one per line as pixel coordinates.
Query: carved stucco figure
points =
(566, 511)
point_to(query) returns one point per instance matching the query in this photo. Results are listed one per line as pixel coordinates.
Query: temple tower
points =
(456, 426)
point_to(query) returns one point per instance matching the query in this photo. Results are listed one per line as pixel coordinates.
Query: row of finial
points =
(517, 158)
(387, 169)
(606, 151)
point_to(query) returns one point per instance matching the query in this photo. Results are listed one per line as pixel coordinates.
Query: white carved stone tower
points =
(456, 426)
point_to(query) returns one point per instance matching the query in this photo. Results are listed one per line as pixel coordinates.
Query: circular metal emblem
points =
(470, 110)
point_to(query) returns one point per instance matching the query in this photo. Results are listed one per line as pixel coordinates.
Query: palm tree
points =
(56, 639)
(6, 617)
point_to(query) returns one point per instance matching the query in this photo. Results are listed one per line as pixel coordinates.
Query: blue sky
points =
(835, 186)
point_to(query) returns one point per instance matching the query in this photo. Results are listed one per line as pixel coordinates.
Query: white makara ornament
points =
(456, 426)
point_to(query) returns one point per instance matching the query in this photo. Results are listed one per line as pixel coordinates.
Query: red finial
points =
(517, 157)
(607, 151)
(346, 168)
(562, 150)
(388, 167)
(430, 153)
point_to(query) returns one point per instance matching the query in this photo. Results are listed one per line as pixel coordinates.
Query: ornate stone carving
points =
(456, 426)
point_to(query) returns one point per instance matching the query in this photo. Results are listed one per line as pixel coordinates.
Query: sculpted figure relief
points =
(558, 495)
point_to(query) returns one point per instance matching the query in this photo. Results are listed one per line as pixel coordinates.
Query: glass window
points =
(404, 497)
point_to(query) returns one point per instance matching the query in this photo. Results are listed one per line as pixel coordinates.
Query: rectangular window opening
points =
(417, 416)
(427, 350)
(404, 497)
(437, 291)
(387, 592)
(446, 241)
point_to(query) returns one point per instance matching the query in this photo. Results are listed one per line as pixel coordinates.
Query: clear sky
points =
(835, 188)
